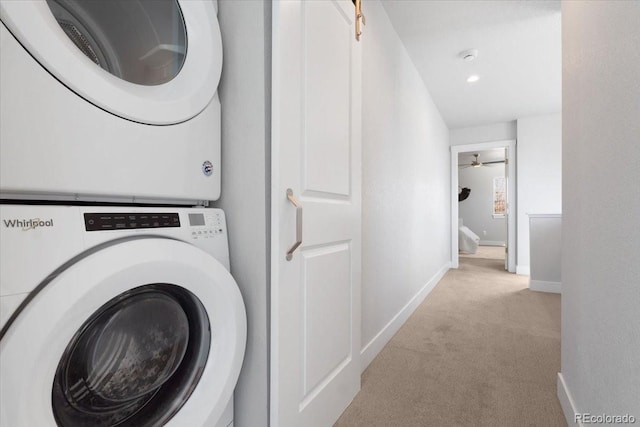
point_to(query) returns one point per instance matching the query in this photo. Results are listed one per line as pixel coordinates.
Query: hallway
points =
(481, 350)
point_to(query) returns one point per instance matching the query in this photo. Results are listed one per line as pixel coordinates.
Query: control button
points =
(132, 225)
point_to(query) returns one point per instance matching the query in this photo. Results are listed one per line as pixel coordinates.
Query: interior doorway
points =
(482, 223)
(493, 239)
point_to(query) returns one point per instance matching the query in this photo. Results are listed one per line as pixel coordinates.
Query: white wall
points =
(477, 209)
(405, 186)
(487, 133)
(539, 170)
(601, 208)
(244, 93)
(545, 237)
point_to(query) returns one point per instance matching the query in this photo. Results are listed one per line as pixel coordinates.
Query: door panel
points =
(315, 364)
(327, 98)
(327, 314)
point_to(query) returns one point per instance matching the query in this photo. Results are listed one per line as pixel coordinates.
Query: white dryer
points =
(117, 316)
(110, 100)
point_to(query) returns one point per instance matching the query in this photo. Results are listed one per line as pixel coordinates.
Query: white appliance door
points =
(315, 312)
(141, 332)
(149, 61)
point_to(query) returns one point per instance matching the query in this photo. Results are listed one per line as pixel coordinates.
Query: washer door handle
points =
(298, 206)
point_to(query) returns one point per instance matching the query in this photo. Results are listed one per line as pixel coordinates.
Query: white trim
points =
(523, 270)
(454, 209)
(274, 307)
(492, 243)
(566, 402)
(543, 286)
(373, 347)
(511, 197)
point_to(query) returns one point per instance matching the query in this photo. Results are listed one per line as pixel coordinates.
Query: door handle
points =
(298, 206)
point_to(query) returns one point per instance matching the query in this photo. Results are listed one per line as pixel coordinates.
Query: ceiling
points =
(518, 64)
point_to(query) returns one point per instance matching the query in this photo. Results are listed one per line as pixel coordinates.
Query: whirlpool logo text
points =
(27, 224)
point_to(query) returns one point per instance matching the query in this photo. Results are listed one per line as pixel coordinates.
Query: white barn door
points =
(315, 295)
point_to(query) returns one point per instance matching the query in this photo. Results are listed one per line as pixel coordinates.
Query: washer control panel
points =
(204, 225)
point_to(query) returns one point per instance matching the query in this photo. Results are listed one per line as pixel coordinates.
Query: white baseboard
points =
(373, 347)
(523, 270)
(491, 243)
(542, 286)
(566, 402)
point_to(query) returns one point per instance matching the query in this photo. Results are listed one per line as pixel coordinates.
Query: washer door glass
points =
(140, 41)
(135, 361)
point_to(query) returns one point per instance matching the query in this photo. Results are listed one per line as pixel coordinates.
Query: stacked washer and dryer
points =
(116, 303)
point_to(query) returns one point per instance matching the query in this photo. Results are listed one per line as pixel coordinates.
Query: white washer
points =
(110, 99)
(117, 315)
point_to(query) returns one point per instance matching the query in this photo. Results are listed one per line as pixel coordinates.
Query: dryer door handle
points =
(298, 206)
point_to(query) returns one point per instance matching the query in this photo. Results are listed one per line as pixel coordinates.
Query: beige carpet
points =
(481, 350)
(487, 252)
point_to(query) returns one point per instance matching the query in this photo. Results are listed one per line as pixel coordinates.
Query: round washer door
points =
(150, 61)
(143, 332)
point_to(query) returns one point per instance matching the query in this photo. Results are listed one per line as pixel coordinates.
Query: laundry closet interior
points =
(118, 307)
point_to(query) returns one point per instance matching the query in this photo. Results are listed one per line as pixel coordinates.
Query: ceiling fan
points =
(476, 163)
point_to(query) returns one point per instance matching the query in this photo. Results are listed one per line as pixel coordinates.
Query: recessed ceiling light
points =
(472, 79)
